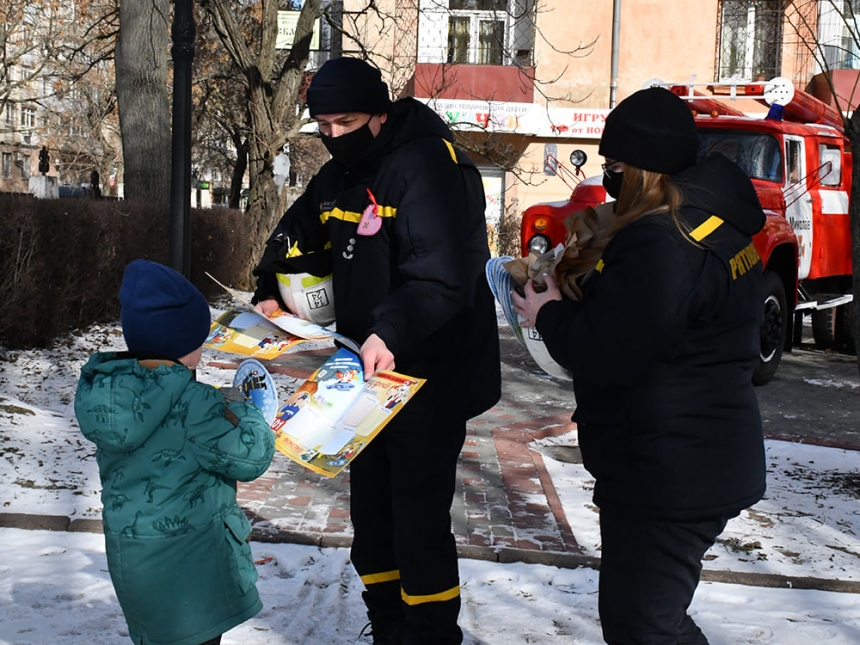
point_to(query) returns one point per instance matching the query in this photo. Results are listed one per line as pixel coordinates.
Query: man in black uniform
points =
(397, 219)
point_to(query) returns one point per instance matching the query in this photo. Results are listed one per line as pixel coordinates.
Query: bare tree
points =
(272, 84)
(82, 121)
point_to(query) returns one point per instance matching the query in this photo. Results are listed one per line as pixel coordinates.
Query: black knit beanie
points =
(653, 130)
(348, 85)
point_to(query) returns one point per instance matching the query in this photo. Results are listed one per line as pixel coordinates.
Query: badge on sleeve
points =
(370, 222)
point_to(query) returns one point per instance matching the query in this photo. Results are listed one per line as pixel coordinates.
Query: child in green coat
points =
(170, 451)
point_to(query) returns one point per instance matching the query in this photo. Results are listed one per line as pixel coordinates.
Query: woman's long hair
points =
(647, 193)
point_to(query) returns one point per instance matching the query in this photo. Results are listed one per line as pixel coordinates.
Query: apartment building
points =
(19, 113)
(527, 82)
(45, 102)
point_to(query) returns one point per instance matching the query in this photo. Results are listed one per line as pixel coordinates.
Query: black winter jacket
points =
(418, 283)
(662, 349)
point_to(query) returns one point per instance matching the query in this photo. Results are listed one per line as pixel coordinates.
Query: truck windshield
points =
(760, 155)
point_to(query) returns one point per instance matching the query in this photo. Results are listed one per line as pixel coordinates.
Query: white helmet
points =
(309, 297)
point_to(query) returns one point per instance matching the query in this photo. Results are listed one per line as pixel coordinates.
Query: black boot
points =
(384, 633)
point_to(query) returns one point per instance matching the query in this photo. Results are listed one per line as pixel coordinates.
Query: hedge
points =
(62, 260)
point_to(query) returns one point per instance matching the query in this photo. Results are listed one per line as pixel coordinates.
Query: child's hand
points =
(267, 307)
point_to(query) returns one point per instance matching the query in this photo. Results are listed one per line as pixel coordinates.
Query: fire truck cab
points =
(799, 161)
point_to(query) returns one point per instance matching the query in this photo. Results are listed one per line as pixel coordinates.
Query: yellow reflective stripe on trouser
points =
(352, 216)
(706, 228)
(385, 576)
(450, 594)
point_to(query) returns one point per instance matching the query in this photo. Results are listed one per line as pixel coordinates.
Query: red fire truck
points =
(799, 161)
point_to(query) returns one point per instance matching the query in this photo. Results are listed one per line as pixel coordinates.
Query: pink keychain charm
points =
(370, 222)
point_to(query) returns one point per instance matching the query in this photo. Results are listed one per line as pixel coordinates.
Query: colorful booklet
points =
(330, 419)
(246, 332)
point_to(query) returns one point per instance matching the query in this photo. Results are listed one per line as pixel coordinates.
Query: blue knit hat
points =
(163, 314)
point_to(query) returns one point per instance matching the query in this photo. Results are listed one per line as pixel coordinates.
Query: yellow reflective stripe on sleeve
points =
(451, 593)
(385, 576)
(295, 251)
(599, 266)
(352, 216)
(706, 228)
(451, 150)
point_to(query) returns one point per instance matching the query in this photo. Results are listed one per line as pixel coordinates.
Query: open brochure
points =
(327, 422)
(246, 332)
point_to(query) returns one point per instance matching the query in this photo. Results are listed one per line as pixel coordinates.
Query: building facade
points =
(527, 82)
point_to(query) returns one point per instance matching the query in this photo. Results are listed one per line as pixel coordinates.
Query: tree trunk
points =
(265, 204)
(264, 210)
(142, 98)
(239, 169)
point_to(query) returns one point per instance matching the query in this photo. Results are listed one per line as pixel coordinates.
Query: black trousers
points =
(401, 489)
(649, 571)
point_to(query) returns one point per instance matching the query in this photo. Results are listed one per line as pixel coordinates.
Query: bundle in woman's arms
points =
(588, 232)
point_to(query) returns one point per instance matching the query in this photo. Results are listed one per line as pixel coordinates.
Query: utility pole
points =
(616, 44)
(183, 33)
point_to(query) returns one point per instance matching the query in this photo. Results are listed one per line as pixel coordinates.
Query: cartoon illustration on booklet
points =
(243, 331)
(332, 416)
(248, 333)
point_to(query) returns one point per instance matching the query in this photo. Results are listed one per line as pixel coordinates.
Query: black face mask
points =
(612, 182)
(351, 147)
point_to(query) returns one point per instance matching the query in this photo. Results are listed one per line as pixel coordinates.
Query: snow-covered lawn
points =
(54, 586)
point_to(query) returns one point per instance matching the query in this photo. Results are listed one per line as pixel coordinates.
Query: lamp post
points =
(183, 33)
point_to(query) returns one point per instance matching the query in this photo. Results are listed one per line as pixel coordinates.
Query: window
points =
(830, 171)
(7, 165)
(750, 39)
(793, 161)
(10, 114)
(838, 36)
(760, 155)
(26, 34)
(28, 117)
(476, 32)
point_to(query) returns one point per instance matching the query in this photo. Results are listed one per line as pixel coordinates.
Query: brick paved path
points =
(504, 500)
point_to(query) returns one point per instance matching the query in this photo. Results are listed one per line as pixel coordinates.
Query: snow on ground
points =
(54, 586)
(808, 523)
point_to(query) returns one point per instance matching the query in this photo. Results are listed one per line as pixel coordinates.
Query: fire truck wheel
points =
(773, 328)
(823, 327)
(844, 331)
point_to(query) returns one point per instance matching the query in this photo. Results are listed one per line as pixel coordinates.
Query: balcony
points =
(496, 83)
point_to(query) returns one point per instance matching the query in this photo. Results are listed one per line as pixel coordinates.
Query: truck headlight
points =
(539, 244)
